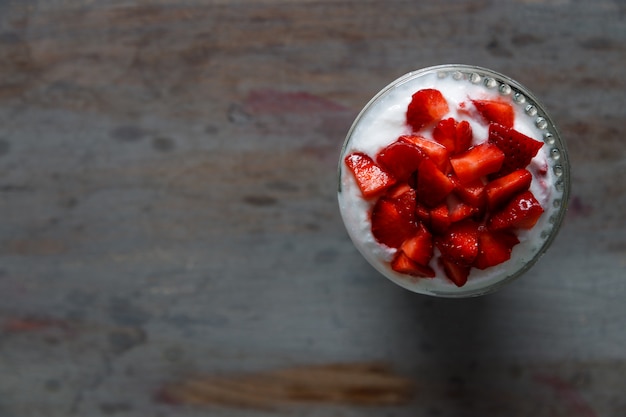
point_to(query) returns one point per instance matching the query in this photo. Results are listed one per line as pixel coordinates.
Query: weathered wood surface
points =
(170, 242)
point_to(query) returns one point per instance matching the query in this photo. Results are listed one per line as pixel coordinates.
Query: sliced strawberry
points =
(496, 111)
(445, 134)
(400, 159)
(494, 247)
(464, 136)
(472, 193)
(435, 151)
(478, 161)
(458, 274)
(426, 106)
(455, 136)
(403, 264)
(422, 213)
(518, 148)
(371, 178)
(420, 246)
(390, 225)
(459, 244)
(404, 197)
(433, 186)
(440, 218)
(521, 212)
(461, 211)
(501, 190)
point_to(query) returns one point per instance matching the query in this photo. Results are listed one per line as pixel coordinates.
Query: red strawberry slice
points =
(460, 211)
(472, 193)
(426, 106)
(501, 190)
(435, 151)
(422, 213)
(433, 186)
(404, 197)
(445, 134)
(518, 148)
(371, 179)
(420, 246)
(393, 217)
(496, 111)
(494, 247)
(464, 136)
(403, 264)
(400, 159)
(440, 218)
(455, 136)
(458, 274)
(521, 212)
(478, 161)
(459, 244)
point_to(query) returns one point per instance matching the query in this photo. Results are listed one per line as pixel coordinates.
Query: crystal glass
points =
(355, 211)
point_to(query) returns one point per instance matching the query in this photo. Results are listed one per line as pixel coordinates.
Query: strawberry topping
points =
(496, 111)
(502, 189)
(477, 162)
(518, 148)
(427, 106)
(440, 191)
(457, 273)
(522, 212)
(400, 159)
(370, 178)
(433, 186)
(436, 152)
(494, 247)
(420, 246)
(459, 244)
(405, 265)
(455, 136)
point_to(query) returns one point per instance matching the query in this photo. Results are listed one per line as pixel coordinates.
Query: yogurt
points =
(383, 120)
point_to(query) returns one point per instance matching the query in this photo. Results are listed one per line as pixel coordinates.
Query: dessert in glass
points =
(453, 180)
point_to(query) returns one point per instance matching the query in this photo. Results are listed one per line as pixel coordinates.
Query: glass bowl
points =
(383, 120)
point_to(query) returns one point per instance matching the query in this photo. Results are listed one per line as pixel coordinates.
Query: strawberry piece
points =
(433, 186)
(460, 211)
(371, 179)
(458, 274)
(426, 106)
(464, 136)
(518, 148)
(496, 111)
(501, 190)
(404, 197)
(400, 159)
(440, 218)
(521, 212)
(472, 193)
(420, 246)
(494, 247)
(478, 161)
(393, 216)
(445, 134)
(403, 264)
(455, 136)
(422, 213)
(435, 151)
(459, 244)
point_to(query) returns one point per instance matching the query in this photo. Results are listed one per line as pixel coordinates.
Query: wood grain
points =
(168, 196)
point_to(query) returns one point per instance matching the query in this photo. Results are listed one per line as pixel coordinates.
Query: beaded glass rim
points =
(520, 96)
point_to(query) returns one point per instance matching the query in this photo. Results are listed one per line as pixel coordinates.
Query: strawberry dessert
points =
(453, 181)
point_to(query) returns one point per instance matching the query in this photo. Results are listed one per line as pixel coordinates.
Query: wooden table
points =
(171, 243)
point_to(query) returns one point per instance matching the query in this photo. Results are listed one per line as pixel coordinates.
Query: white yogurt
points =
(384, 119)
